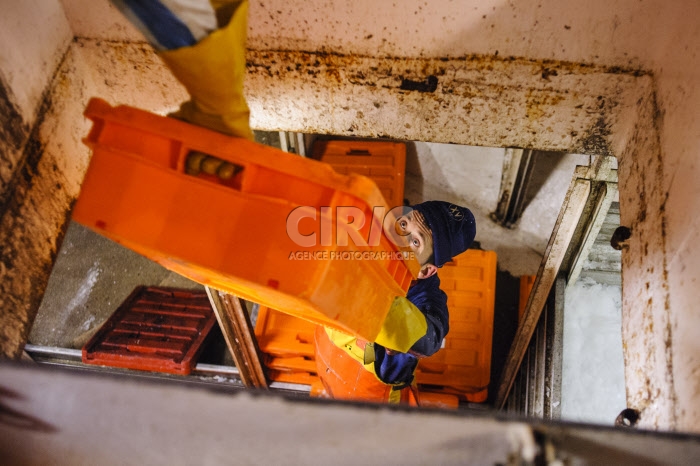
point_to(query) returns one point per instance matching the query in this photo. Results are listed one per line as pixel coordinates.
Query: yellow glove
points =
(403, 326)
(213, 71)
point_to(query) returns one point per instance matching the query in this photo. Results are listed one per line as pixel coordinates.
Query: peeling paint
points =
(595, 139)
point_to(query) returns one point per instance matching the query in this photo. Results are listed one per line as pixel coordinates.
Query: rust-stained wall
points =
(45, 82)
(35, 37)
(476, 100)
(504, 73)
(647, 316)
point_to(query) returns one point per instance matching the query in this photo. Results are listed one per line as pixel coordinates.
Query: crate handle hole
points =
(200, 163)
(359, 152)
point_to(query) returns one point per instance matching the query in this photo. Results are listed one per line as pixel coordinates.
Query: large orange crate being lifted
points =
(230, 233)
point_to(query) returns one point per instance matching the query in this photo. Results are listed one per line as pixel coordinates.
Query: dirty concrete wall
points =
(35, 36)
(678, 96)
(149, 422)
(46, 79)
(508, 74)
(646, 312)
(26, 68)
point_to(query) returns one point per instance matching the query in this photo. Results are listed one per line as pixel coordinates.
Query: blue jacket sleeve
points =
(396, 368)
(427, 296)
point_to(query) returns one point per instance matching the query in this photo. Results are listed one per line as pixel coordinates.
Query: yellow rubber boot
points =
(213, 71)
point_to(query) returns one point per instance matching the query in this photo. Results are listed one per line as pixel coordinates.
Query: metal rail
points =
(238, 332)
(560, 255)
(202, 373)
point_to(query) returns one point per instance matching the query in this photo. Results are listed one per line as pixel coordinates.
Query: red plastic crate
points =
(382, 162)
(154, 329)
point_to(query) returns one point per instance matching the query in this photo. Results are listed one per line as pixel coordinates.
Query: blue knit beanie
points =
(453, 228)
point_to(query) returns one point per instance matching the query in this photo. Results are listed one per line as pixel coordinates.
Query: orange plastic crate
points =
(463, 366)
(281, 334)
(526, 284)
(154, 329)
(288, 346)
(383, 162)
(300, 378)
(231, 235)
(438, 400)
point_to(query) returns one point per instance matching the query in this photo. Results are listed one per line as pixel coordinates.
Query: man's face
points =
(416, 231)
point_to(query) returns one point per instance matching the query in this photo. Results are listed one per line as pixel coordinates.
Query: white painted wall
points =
(678, 74)
(626, 33)
(34, 36)
(593, 371)
(99, 20)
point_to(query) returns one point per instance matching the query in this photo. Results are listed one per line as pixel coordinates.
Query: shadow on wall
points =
(471, 174)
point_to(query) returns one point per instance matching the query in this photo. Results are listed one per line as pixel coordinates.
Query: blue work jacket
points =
(426, 295)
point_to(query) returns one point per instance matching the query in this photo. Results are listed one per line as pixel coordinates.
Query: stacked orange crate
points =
(383, 162)
(460, 370)
(463, 366)
(287, 344)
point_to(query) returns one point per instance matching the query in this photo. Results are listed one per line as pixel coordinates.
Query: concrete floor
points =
(91, 278)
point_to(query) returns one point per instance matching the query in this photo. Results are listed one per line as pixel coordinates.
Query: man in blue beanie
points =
(350, 368)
